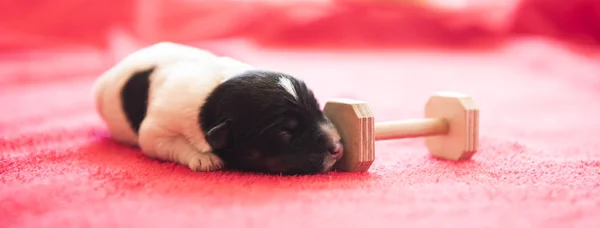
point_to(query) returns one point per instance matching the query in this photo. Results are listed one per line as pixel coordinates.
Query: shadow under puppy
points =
(183, 104)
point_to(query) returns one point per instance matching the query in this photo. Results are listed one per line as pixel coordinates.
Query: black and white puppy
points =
(186, 105)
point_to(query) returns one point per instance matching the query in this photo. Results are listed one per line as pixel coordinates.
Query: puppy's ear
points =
(218, 136)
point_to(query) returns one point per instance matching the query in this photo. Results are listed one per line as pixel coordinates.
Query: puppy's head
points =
(269, 122)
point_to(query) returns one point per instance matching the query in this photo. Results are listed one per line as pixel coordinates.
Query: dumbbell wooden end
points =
(461, 114)
(354, 121)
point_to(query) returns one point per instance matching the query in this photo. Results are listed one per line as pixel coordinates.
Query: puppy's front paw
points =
(205, 162)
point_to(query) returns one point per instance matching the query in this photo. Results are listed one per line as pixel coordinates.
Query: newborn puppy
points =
(183, 104)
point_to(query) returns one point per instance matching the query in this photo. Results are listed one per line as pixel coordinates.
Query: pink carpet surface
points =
(538, 163)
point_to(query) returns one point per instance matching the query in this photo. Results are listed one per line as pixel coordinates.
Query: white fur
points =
(329, 162)
(286, 83)
(184, 78)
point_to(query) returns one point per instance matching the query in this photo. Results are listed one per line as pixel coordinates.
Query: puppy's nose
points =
(335, 149)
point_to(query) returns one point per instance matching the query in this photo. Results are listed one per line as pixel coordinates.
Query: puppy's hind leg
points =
(159, 143)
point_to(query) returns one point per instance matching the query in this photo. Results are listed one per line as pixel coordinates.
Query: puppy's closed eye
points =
(285, 135)
(287, 130)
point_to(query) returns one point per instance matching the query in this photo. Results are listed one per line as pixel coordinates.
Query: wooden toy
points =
(450, 128)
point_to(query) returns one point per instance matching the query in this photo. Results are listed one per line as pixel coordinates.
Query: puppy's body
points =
(186, 105)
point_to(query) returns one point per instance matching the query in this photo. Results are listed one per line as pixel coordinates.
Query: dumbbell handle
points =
(410, 128)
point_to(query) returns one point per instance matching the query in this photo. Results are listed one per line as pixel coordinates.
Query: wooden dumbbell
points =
(451, 128)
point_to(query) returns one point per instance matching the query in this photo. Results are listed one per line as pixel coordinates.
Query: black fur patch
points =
(134, 97)
(254, 124)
